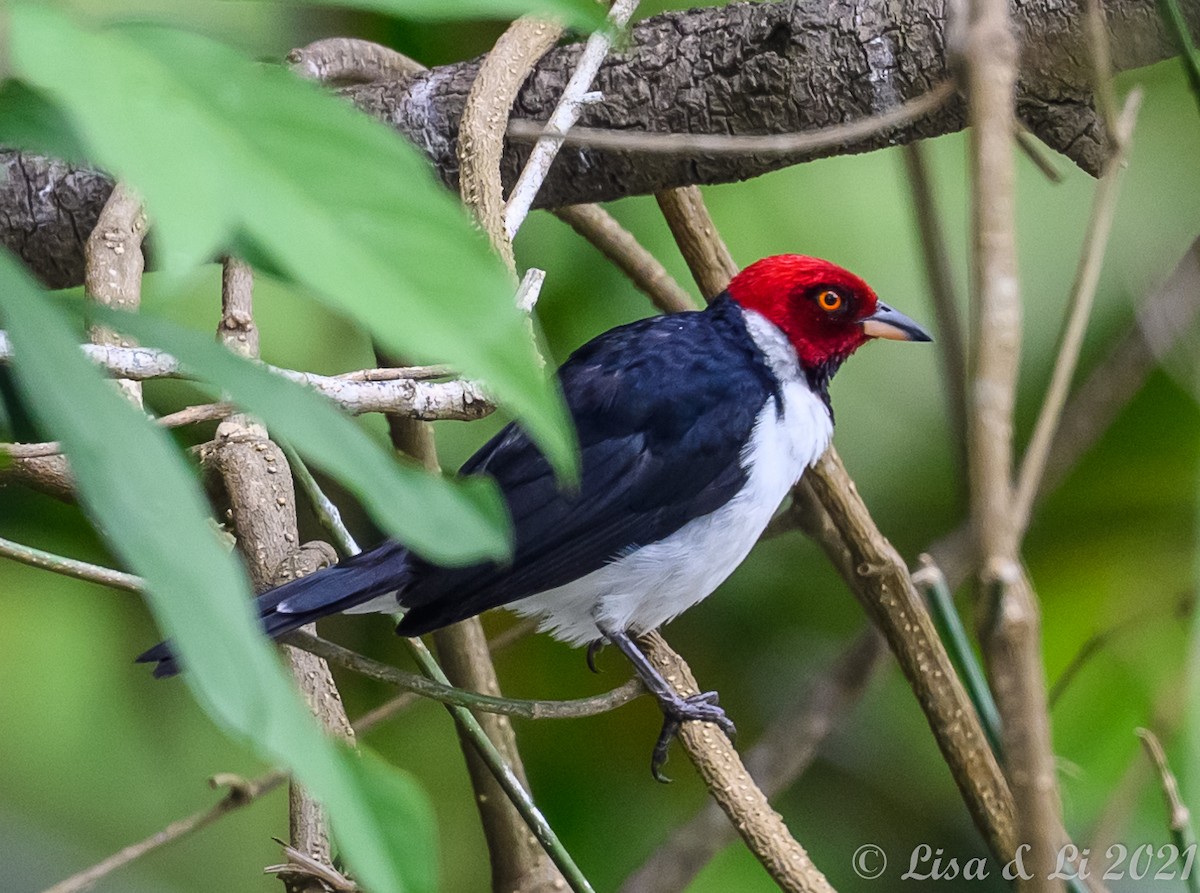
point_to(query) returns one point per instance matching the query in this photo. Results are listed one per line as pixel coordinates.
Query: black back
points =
(663, 408)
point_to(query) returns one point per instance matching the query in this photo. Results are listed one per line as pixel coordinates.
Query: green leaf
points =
(133, 483)
(222, 148)
(579, 13)
(447, 521)
(32, 121)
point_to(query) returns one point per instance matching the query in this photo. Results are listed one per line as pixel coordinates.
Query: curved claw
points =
(701, 707)
(593, 649)
(658, 757)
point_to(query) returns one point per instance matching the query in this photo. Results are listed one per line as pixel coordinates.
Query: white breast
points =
(641, 591)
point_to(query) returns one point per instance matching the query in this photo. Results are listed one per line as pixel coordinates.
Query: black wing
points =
(663, 408)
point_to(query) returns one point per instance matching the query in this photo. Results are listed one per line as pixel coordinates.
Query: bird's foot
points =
(701, 707)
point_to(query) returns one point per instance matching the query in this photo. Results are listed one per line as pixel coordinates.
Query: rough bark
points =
(743, 68)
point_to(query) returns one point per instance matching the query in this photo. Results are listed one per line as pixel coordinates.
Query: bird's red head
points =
(824, 310)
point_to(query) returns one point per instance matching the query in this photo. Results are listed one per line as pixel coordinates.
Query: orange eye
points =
(829, 300)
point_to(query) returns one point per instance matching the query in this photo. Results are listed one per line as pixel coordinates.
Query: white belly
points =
(643, 590)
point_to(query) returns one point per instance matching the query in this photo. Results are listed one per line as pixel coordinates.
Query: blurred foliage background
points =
(96, 754)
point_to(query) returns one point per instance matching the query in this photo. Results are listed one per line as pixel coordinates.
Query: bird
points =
(692, 429)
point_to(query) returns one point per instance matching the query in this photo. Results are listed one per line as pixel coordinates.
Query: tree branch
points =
(113, 268)
(731, 786)
(1010, 619)
(262, 508)
(784, 751)
(832, 511)
(356, 393)
(745, 68)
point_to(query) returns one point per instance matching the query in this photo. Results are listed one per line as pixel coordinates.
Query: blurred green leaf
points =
(221, 147)
(580, 13)
(1177, 27)
(445, 520)
(133, 483)
(30, 120)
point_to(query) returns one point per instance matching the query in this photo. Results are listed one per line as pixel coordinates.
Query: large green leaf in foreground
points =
(223, 149)
(133, 483)
(444, 520)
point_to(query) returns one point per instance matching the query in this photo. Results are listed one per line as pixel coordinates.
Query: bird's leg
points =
(702, 707)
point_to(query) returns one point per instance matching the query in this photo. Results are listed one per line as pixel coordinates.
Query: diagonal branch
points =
(731, 786)
(835, 514)
(782, 754)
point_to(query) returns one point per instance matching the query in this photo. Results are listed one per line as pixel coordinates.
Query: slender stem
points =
(328, 515)
(574, 97)
(460, 697)
(1009, 613)
(950, 627)
(70, 567)
(782, 754)
(1179, 818)
(766, 145)
(504, 775)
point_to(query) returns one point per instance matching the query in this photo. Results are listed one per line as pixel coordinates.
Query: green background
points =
(95, 754)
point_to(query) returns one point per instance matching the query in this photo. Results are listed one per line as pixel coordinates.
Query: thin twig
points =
(1083, 293)
(1181, 609)
(70, 567)
(566, 113)
(1177, 26)
(1179, 818)
(460, 697)
(327, 513)
(1032, 149)
(766, 145)
(241, 793)
(706, 254)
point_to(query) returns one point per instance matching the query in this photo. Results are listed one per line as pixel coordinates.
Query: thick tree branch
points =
(746, 68)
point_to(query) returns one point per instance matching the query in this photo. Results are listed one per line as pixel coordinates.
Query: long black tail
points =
(352, 582)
